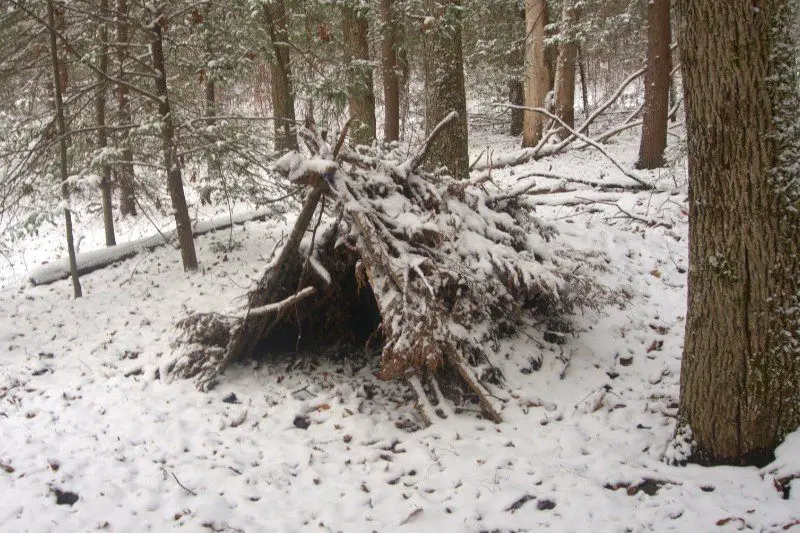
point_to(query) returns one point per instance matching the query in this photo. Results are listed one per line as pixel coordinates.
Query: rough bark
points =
(102, 133)
(125, 173)
(444, 86)
(360, 94)
(656, 86)
(281, 77)
(183, 223)
(740, 378)
(537, 72)
(390, 68)
(516, 97)
(565, 69)
(58, 105)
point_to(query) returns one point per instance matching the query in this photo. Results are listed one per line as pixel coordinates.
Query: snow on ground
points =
(319, 444)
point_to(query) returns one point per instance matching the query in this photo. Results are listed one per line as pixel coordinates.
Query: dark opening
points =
(343, 319)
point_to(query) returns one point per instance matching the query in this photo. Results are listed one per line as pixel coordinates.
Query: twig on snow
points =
(181, 485)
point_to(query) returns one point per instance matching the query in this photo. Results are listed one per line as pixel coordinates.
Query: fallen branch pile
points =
(449, 271)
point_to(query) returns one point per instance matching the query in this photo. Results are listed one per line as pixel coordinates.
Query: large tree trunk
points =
(102, 133)
(565, 69)
(360, 94)
(390, 68)
(740, 379)
(183, 223)
(656, 86)
(444, 86)
(281, 77)
(537, 72)
(125, 175)
(58, 104)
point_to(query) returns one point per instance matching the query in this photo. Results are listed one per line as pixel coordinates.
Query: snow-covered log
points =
(449, 273)
(103, 257)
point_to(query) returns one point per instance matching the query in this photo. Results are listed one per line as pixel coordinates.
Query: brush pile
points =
(447, 267)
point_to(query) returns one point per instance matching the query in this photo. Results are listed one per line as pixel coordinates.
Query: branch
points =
(81, 59)
(413, 164)
(280, 306)
(342, 137)
(632, 175)
(524, 189)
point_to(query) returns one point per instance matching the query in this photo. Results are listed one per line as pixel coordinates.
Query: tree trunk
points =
(537, 73)
(584, 87)
(210, 94)
(740, 378)
(444, 86)
(102, 133)
(281, 77)
(390, 72)
(516, 97)
(516, 85)
(565, 69)
(404, 63)
(125, 175)
(58, 105)
(360, 95)
(656, 86)
(183, 224)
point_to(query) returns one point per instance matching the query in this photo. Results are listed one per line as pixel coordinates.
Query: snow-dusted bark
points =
(102, 134)
(183, 223)
(740, 379)
(444, 84)
(59, 83)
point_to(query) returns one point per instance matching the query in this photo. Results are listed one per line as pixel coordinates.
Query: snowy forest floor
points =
(310, 443)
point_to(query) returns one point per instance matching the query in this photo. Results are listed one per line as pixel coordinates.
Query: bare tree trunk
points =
(740, 377)
(390, 72)
(565, 69)
(444, 86)
(281, 77)
(584, 87)
(516, 97)
(656, 86)
(183, 223)
(58, 104)
(516, 86)
(360, 95)
(405, 79)
(125, 174)
(210, 94)
(537, 73)
(102, 133)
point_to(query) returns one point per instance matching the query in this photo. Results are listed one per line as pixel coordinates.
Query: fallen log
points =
(97, 259)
